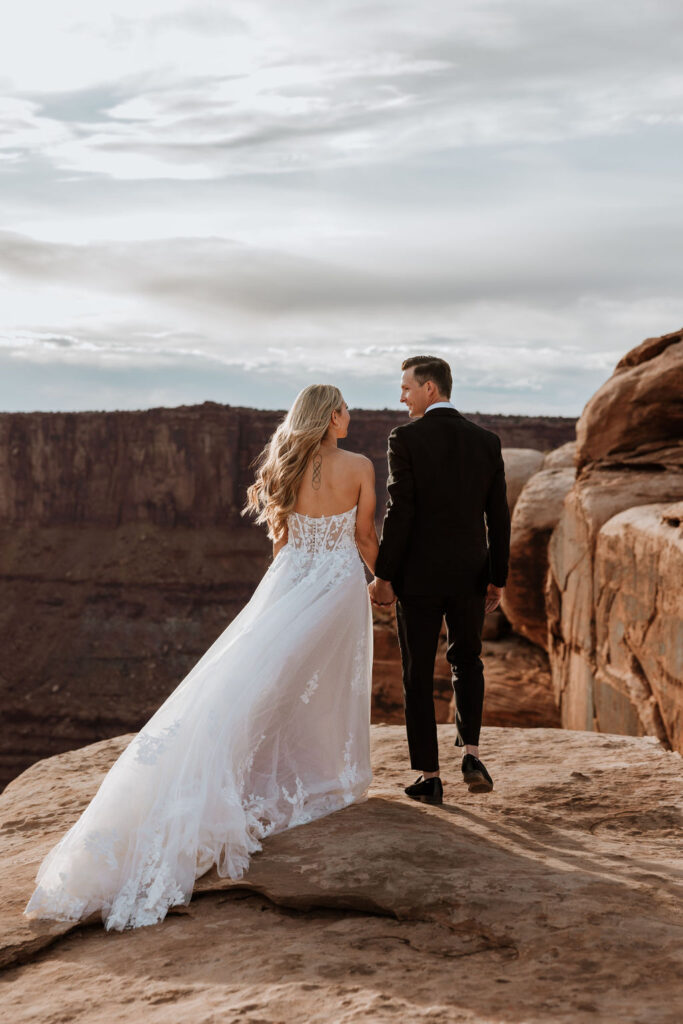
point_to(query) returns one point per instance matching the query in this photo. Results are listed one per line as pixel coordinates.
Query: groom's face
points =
(414, 395)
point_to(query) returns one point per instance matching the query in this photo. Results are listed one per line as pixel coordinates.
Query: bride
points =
(270, 728)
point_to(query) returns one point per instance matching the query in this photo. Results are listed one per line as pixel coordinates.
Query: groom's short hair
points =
(431, 368)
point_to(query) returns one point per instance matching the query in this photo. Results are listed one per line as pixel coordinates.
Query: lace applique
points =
(102, 845)
(247, 763)
(350, 776)
(298, 816)
(358, 671)
(145, 897)
(260, 822)
(149, 748)
(311, 685)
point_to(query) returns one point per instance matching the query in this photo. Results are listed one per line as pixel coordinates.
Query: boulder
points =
(373, 913)
(536, 514)
(638, 682)
(640, 404)
(520, 464)
(563, 457)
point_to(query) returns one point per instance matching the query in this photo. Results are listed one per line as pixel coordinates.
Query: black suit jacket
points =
(446, 492)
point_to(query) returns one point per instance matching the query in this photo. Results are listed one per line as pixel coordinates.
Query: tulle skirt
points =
(269, 730)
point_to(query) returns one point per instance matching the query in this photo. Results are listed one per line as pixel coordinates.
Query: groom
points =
(446, 494)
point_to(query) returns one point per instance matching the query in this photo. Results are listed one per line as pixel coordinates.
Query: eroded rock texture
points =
(622, 468)
(556, 897)
(123, 556)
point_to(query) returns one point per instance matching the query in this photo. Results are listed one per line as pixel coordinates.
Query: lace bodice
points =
(323, 543)
(318, 534)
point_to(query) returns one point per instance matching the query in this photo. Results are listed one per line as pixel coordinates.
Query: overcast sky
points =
(231, 200)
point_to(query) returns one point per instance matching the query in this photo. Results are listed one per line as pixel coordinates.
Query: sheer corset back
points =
(321, 539)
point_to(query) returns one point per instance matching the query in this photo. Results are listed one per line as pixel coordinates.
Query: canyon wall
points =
(123, 555)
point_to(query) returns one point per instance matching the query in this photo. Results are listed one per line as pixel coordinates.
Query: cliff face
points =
(183, 467)
(124, 556)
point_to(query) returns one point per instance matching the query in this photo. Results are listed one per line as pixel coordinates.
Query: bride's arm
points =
(366, 532)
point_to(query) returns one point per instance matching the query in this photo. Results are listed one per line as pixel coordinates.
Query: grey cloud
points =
(553, 266)
(523, 72)
(522, 196)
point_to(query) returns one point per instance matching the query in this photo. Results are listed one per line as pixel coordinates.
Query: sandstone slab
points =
(555, 897)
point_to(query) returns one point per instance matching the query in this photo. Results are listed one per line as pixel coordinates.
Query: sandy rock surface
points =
(553, 898)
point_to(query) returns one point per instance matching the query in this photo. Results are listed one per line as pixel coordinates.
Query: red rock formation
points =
(630, 456)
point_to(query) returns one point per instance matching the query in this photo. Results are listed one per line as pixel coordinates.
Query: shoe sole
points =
(477, 782)
(426, 799)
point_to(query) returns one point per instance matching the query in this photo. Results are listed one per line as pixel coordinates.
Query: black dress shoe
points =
(428, 791)
(475, 775)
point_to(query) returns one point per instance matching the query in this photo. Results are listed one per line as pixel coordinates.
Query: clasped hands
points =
(381, 593)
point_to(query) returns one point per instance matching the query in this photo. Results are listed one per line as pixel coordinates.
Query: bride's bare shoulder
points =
(355, 460)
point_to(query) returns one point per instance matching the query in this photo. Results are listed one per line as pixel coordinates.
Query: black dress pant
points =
(419, 621)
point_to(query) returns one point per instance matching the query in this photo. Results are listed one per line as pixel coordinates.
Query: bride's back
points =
(331, 483)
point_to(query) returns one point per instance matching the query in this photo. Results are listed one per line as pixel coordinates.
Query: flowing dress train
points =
(269, 730)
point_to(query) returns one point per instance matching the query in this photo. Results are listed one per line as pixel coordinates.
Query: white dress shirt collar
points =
(440, 405)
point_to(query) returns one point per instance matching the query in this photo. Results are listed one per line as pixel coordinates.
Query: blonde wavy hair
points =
(283, 461)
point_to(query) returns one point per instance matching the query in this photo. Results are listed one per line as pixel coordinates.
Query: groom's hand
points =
(381, 592)
(493, 596)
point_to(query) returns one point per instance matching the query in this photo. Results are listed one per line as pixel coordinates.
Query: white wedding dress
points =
(269, 730)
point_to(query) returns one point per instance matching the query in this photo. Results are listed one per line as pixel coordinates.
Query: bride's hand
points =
(381, 593)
